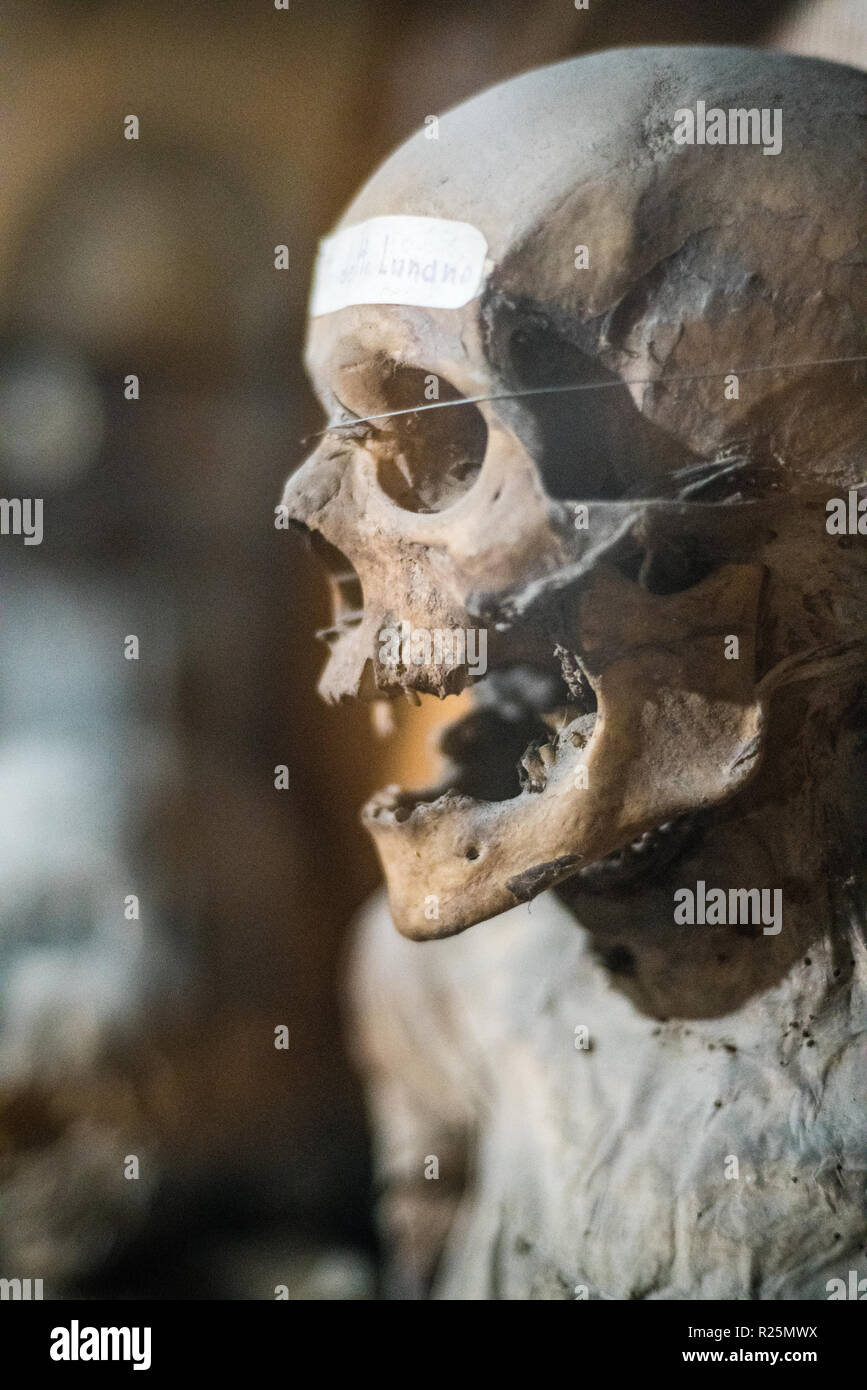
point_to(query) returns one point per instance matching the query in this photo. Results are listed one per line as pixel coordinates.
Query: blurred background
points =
(165, 908)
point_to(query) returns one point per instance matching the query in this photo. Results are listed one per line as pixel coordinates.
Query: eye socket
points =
(426, 459)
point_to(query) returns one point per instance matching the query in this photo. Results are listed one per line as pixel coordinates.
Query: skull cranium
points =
(611, 540)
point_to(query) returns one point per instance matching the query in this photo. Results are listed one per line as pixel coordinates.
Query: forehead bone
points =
(685, 241)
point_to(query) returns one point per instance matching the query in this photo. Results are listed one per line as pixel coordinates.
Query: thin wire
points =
(586, 386)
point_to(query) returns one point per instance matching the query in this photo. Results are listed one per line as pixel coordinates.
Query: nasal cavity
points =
(347, 599)
(429, 455)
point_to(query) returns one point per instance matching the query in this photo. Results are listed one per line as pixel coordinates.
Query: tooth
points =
(382, 718)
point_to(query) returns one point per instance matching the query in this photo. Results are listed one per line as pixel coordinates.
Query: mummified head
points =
(610, 540)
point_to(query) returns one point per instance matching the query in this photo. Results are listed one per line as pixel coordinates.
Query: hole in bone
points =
(427, 460)
(589, 444)
(619, 960)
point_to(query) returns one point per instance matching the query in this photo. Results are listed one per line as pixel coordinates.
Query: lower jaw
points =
(627, 869)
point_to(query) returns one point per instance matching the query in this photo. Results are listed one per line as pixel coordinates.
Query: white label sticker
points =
(425, 261)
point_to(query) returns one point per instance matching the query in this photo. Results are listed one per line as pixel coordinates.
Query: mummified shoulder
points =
(613, 1155)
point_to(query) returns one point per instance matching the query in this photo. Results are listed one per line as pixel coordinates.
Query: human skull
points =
(609, 540)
